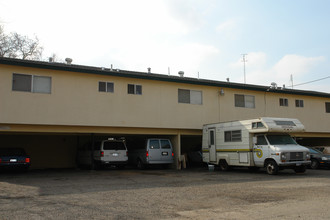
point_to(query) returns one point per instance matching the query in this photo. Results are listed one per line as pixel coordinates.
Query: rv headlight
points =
(283, 156)
(324, 158)
(308, 156)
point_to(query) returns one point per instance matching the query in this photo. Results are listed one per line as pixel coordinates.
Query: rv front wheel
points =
(271, 167)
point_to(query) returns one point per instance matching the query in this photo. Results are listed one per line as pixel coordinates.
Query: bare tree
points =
(18, 46)
(5, 45)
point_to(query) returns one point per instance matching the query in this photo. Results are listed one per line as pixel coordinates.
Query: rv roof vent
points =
(68, 60)
(181, 73)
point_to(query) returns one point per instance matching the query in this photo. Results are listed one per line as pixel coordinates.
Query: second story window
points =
(190, 96)
(245, 101)
(284, 102)
(299, 103)
(31, 83)
(106, 87)
(134, 89)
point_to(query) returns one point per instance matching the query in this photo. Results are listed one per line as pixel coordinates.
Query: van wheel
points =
(271, 167)
(140, 165)
(223, 165)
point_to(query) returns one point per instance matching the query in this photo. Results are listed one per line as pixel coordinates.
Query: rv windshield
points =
(280, 139)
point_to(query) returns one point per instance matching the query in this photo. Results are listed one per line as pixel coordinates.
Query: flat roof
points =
(154, 76)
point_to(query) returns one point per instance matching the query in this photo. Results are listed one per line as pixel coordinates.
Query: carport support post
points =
(176, 142)
(92, 152)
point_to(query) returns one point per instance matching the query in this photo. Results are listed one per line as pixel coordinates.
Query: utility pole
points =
(244, 61)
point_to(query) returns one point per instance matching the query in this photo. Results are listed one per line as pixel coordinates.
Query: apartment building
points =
(50, 108)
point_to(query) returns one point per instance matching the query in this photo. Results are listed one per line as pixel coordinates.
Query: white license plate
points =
(13, 160)
(115, 154)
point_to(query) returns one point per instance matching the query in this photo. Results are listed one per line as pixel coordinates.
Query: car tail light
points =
(126, 153)
(27, 160)
(147, 153)
(0, 160)
(102, 154)
(172, 154)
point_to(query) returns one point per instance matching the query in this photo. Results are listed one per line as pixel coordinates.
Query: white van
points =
(150, 151)
(262, 142)
(106, 153)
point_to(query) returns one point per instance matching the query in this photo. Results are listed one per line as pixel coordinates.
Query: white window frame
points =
(33, 88)
(137, 89)
(247, 102)
(195, 97)
(106, 87)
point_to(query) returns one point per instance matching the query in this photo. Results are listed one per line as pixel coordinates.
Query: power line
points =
(311, 81)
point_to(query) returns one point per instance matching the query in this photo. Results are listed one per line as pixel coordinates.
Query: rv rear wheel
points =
(271, 167)
(223, 165)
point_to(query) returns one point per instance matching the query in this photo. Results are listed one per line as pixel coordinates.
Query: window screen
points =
(184, 96)
(300, 103)
(42, 84)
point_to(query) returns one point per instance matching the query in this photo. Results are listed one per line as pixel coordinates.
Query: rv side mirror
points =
(254, 140)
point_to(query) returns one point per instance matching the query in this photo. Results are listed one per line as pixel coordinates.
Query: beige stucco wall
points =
(75, 101)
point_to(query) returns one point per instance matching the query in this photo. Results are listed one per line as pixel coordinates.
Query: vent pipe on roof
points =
(181, 73)
(68, 60)
(51, 59)
(149, 70)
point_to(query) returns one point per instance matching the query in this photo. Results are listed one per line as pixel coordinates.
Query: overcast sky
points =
(281, 38)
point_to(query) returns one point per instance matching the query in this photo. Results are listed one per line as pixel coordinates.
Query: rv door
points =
(212, 148)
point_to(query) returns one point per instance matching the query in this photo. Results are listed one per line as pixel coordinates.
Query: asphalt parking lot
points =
(164, 194)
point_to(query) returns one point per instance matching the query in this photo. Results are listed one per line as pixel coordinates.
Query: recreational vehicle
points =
(262, 142)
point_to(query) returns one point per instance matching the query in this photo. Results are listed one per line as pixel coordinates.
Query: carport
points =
(56, 146)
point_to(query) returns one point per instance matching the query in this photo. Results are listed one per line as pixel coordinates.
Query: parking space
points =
(164, 194)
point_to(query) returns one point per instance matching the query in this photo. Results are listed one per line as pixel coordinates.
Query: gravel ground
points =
(164, 194)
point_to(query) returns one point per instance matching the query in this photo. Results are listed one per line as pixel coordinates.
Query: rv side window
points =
(165, 144)
(154, 144)
(285, 123)
(261, 140)
(211, 137)
(233, 136)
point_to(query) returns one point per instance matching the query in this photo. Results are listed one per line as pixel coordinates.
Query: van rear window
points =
(165, 144)
(113, 146)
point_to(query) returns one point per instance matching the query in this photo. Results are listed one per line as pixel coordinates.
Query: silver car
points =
(105, 153)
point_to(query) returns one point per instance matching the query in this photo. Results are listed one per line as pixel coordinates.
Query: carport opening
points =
(322, 144)
(191, 149)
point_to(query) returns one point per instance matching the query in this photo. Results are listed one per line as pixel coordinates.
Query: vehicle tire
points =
(271, 167)
(223, 165)
(314, 164)
(140, 165)
(300, 169)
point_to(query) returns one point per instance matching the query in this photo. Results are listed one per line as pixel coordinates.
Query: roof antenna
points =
(244, 61)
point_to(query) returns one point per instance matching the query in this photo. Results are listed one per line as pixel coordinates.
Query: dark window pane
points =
(110, 87)
(239, 101)
(22, 82)
(138, 89)
(165, 144)
(227, 136)
(130, 89)
(102, 87)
